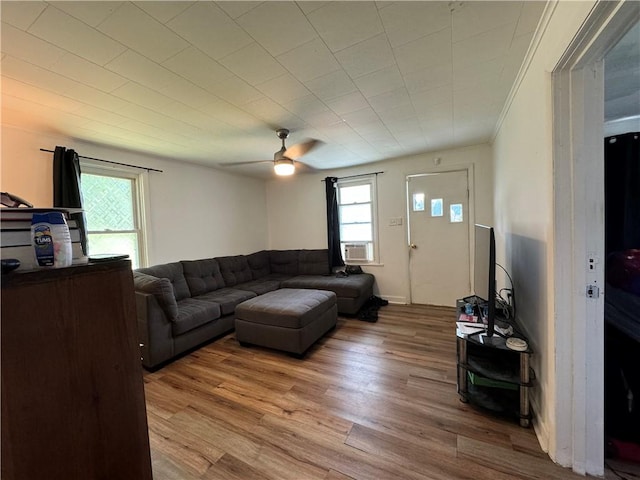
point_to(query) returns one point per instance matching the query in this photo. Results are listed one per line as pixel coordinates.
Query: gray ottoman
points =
(288, 319)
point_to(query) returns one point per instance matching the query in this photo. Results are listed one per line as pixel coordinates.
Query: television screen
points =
(484, 277)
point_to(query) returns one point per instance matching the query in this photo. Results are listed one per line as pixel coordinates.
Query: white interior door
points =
(438, 213)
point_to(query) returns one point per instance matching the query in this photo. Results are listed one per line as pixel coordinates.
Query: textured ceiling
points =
(209, 82)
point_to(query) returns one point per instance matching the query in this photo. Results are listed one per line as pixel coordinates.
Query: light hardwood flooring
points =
(369, 401)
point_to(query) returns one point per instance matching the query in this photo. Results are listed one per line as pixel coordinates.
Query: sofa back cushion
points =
(313, 262)
(235, 269)
(175, 274)
(259, 264)
(202, 275)
(284, 261)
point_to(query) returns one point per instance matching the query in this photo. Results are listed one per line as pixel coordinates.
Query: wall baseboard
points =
(395, 299)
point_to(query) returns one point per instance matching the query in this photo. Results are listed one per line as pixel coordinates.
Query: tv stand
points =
(491, 375)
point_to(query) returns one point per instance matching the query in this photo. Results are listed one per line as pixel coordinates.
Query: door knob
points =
(413, 245)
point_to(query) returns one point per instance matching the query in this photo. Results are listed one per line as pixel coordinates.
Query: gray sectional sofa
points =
(181, 305)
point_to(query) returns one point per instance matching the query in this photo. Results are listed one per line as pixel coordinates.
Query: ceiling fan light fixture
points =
(284, 167)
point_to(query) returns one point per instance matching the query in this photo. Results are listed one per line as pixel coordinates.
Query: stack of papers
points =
(466, 328)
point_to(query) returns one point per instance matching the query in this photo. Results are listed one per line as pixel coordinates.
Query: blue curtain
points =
(333, 223)
(66, 188)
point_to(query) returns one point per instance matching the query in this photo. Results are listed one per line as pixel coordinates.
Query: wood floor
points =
(369, 401)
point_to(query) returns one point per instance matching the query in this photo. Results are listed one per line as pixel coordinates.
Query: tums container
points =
(51, 239)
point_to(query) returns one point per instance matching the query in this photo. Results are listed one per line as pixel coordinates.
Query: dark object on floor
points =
(369, 311)
(623, 450)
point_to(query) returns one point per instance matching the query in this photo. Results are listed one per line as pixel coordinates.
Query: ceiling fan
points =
(284, 160)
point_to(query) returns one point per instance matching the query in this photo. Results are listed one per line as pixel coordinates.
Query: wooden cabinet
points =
(493, 376)
(72, 392)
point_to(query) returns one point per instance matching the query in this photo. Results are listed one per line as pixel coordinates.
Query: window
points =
(357, 212)
(436, 207)
(112, 199)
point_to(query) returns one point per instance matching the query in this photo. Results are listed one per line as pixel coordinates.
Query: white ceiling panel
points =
(283, 89)
(83, 71)
(529, 17)
(380, 81)
(31, 93)
(351, 102)
(236, 9)
(343, 24)
(277, 26)
(483, 47)
(75, 36)
(253, 64)
(20, 44)
(331, 86)
(138, 68)
(165, 10)
(209, 82)
(142, 33)
(140, 95)
(405, 22)
(21, 14)
(425, 52)
(235, 90)
(197, 67)
(367, 56)
(186, 92)
(473, 18)
(207, 27)
(37, 76)
(429, 78)
(91, 13)
(308, 61)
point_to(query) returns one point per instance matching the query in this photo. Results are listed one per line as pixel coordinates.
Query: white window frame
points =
(370, 180)
(140, 180)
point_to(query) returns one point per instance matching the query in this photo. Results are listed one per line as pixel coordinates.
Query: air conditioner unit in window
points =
(355, 252)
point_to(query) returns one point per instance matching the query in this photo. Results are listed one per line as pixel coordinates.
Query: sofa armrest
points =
(159, 287)
(154, 331)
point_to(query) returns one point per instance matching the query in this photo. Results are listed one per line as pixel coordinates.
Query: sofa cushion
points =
(160, 288)
(284, 261)
(352, 286)
(175, 274)
(202, 276)
(259, 264)
(313, 262)
(234, 269)
(261, 286)
(227, 298)
(193, 313)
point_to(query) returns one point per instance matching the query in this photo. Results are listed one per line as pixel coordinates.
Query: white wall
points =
(297, 211)
(195, 211)
(524, 217)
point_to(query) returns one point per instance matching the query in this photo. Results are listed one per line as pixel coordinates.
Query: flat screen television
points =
(484, 278)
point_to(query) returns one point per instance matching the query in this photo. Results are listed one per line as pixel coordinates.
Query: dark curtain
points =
(333, 223)
(622, 192)
(66, 188)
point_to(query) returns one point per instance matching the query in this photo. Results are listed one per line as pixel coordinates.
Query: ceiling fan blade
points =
(298, 150)
(239, 164)
(302, 167)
